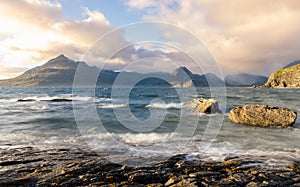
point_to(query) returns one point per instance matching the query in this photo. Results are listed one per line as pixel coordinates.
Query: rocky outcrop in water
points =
(285, 78)
(76, 167)
(263, 115)
(207, 106)
(26, 100)
(51, 100)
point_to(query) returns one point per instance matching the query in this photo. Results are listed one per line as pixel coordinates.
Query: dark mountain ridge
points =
(61, 70)
(246, 80)
(56, 72)
(292, 64)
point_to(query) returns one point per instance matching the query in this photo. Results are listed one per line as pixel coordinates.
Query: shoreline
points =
(30, 166)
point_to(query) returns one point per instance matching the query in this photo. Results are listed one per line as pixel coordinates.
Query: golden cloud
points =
(255, 36)
(36, 30)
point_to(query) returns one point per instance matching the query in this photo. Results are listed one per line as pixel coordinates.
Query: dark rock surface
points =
(59, 100)
(263, 115)
(26, 100)
(51, 100)
(74, 167)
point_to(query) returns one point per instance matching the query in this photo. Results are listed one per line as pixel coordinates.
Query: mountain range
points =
(244, 79)
(60, 72)
(292, 64)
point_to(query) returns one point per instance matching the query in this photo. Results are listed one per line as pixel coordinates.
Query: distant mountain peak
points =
(60, 71)
(182, 70)
(61, 61)
(59, 58)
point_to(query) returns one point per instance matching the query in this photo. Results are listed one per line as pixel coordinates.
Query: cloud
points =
(35, 30)
(6, 71)
(150, 57)
(256, 36)
(140, 4)
(39, 13)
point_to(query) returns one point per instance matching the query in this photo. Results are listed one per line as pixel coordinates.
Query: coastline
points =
(30, 166)
(65, 166)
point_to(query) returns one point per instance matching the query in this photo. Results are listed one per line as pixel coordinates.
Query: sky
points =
(257, 36)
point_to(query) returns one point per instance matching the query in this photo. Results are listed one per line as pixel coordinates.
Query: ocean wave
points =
(139, 144)
(44, 107)
(112, 105)
(144, 139)
(103, 99)
(8, 100)
(166, 105)
(80, 98)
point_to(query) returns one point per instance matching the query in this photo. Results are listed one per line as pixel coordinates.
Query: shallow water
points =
(149, 124)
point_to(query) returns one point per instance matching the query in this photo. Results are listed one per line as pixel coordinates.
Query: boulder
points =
(263, 115)
(201, 105)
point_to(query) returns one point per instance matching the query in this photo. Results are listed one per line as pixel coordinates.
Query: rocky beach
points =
(29, 166)
(232, 143)
(149, 93)
(40, 148)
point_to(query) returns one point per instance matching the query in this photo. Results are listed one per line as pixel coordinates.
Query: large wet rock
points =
(201, 105)
(263, 115)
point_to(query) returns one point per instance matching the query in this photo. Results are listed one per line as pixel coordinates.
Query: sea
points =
(144, 125)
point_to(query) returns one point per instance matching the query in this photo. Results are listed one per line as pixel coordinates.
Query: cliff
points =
(285, 78)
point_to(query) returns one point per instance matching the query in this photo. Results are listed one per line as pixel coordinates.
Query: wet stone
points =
(77, 167)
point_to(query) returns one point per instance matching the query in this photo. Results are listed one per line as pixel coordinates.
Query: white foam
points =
(112, 105)
(79, 98)
(8, 100)
(129, 138)
(103, 99)
(43, 107)
(165, 105)
(144, 139)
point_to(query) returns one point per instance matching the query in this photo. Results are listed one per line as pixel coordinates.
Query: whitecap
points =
(166, 105)
(103, 99)
(112, 105)
(44, 107)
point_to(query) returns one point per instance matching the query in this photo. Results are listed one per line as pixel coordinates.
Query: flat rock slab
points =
(263, 115)
(77, 167)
